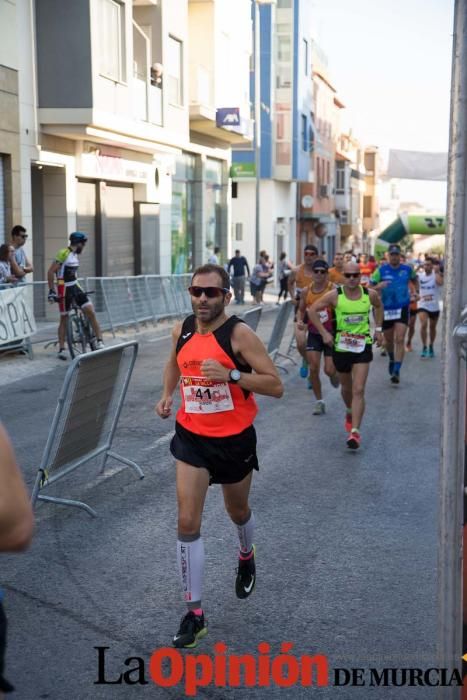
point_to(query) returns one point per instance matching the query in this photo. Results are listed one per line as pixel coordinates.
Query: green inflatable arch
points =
(420, 224)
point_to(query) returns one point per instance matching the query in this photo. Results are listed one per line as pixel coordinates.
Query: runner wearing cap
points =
(393, 280)
(315, 346)
(299, 279)
(352, 351)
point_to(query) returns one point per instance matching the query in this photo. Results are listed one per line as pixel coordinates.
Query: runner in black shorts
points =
(218, 362)
(351, 346)
(319, 286)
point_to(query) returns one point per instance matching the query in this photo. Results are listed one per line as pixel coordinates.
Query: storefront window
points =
(183, 215)
(213, 203)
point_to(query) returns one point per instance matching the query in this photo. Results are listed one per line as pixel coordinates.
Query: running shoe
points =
(353, 441)
(383, 353)
(348, 422)
(431, 353)
(192, 629)
(334, 379)
(424, 354)
(61, 354)
(408, 348)
(319, 409)
(395, 378)
(304, 369)
(246, 576)
(100, 345)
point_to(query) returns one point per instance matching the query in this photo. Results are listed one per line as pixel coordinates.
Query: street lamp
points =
(257, 112)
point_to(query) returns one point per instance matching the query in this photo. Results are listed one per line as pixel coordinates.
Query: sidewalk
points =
(15, 366)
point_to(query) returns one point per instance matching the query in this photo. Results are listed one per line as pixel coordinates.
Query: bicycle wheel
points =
(75, 336)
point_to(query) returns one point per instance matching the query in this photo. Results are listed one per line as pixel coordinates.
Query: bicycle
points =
(79, 333)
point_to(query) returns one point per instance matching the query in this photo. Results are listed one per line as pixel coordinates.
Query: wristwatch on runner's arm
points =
(235, 376)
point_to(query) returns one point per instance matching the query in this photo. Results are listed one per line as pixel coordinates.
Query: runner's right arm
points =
(171, 377)
(16, 517)
(327, 301)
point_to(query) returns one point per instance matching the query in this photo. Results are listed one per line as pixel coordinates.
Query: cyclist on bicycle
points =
(65, 269)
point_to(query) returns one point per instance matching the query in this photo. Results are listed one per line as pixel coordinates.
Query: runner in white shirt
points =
(430, 279)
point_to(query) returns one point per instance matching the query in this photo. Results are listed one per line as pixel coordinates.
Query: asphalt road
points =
(346, 542)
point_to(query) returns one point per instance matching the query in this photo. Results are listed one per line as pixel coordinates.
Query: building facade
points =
(130, 128)
(319, 224)
(349, 190)
(280, 158)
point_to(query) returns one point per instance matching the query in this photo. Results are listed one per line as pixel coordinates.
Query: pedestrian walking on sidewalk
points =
(218, 362)
(238, 267)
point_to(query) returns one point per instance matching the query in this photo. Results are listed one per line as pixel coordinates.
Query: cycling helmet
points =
(78, 237)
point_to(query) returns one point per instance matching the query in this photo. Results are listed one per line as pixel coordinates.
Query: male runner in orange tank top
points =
(218, 362)
(299, 279)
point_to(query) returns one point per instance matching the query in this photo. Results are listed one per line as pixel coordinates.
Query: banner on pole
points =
(16, 314)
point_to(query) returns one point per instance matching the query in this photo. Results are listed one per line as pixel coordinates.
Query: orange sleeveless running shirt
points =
(211, 408)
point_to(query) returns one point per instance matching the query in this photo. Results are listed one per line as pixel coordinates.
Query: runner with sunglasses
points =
(352, 351)
(315, 346)
(299, 279)
(218, 362)
(393, 280)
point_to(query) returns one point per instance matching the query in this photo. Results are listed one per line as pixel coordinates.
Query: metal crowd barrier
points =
(277, 334)
(124, 301)
(252, 317)
(21, 345)
(86, 418)
(129, 301)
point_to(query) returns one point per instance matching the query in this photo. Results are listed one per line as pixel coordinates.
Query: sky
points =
(390, 61)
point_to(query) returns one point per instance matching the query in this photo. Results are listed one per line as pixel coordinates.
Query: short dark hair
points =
(237, 251)
(4, 252)
(217, 249)
(17, 230)
(210, 267)
(309, 246)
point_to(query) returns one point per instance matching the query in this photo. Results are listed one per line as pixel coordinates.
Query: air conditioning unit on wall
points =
(325, 191)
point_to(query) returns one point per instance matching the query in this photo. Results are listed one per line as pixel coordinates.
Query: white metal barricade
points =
(86, 418)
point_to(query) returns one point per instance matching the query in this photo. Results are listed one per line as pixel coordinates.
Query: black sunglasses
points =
(321, 271)
(349, 275)
(210, 292)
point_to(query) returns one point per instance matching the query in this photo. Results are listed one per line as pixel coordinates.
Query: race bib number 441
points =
(203, 395)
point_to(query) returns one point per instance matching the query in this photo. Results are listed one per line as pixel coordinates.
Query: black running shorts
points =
(228, 459)
(314, 343)
(404, 318)
(5, 687)
(431, 314)
(343, 361)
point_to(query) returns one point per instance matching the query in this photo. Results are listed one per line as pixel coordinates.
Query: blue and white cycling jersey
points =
(396, 295)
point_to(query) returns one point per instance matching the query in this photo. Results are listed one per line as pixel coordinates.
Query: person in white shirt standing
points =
(430, 279)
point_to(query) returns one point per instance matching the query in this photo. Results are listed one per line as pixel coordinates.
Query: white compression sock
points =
(246, 533)
(190, 557)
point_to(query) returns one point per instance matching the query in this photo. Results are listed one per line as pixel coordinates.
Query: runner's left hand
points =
(212, 369)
